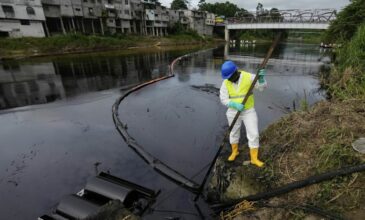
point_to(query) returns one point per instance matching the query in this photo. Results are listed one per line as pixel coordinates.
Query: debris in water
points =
(209, 88)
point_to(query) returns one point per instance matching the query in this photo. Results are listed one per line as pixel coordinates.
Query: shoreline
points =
(130, 47)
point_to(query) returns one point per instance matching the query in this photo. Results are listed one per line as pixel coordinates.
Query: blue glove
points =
(262, 73)
(238, 106)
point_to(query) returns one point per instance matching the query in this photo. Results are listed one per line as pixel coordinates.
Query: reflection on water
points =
(28, 83)
(283, 51)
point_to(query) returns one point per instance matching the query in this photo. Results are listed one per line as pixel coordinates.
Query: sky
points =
(280, 4)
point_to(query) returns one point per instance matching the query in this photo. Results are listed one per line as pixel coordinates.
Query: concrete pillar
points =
(82, 25)
(73, 24)
(226, 34)
(62, 26)
(226, 49)
(101, 26)
(92, 26)
(46, 28)
(134, 27)
(153, 31)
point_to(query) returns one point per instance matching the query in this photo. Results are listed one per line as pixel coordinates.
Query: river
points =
(57, 129)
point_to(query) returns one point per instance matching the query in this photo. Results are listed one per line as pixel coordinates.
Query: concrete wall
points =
(20, 10)
(52, 11)
(25, 20)
(66, 8)
(16, 29)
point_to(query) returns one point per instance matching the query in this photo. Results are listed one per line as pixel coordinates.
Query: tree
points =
(225, 9)
(275, 15)
(259, 9)
(179, 4)
(347, 22)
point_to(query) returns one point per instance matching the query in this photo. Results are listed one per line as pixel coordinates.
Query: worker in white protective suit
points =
(232, 92)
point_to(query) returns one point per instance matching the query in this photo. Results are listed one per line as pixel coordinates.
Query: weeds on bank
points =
(335, 156)
(75, 42)
(347, 79)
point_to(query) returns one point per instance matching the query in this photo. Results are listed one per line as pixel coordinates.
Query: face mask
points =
(234, 77)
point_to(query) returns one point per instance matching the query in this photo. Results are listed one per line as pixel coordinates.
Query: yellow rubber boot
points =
(234, 153)
(254, 153)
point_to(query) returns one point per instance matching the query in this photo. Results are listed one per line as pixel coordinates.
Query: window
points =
(91, 11)
(30, 10)
(24, 22)
(126, 12)
(8, 10)
(126, 2)
(77, 9)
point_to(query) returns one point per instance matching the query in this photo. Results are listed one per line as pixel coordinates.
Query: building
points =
(41, 18)
(209, 23)
(178, 16)
(200, 21)
(21, 18)
(87, 16)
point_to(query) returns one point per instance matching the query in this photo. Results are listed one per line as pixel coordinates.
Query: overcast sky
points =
(280, 4)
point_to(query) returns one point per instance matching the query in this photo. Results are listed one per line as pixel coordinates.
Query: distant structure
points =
(21, 18)
(40, 18)
(308, 19)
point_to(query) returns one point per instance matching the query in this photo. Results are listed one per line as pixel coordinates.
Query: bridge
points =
(316, 19)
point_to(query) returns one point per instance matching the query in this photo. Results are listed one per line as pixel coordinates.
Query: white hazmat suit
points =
(248, 117)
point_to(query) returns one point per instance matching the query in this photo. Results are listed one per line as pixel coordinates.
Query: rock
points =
(359, 145)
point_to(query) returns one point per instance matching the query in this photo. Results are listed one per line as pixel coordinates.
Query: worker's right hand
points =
(238, 106)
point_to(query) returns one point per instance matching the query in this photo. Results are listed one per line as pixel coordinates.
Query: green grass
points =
(76, 42)
(347, 78)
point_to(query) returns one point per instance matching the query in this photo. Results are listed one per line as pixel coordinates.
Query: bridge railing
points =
(285, 16)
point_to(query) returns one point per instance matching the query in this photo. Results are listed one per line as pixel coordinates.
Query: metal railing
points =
(285, 16)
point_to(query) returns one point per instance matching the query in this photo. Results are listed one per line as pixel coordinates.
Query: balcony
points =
(51, 2)
(109, 6)
(209, 22)
(197, 14)
(110, 22)
(184, 20)
(153, 2)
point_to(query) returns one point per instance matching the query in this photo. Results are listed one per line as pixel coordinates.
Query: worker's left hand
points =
(262, 73)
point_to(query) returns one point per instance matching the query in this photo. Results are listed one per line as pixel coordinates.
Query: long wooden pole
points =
(226, 135)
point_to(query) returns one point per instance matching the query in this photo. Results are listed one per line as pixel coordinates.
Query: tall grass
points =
(347, 78)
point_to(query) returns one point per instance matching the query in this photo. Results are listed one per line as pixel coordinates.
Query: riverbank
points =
(308, 142)
(11, 48)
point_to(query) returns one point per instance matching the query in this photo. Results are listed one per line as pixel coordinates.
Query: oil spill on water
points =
(179, 120)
